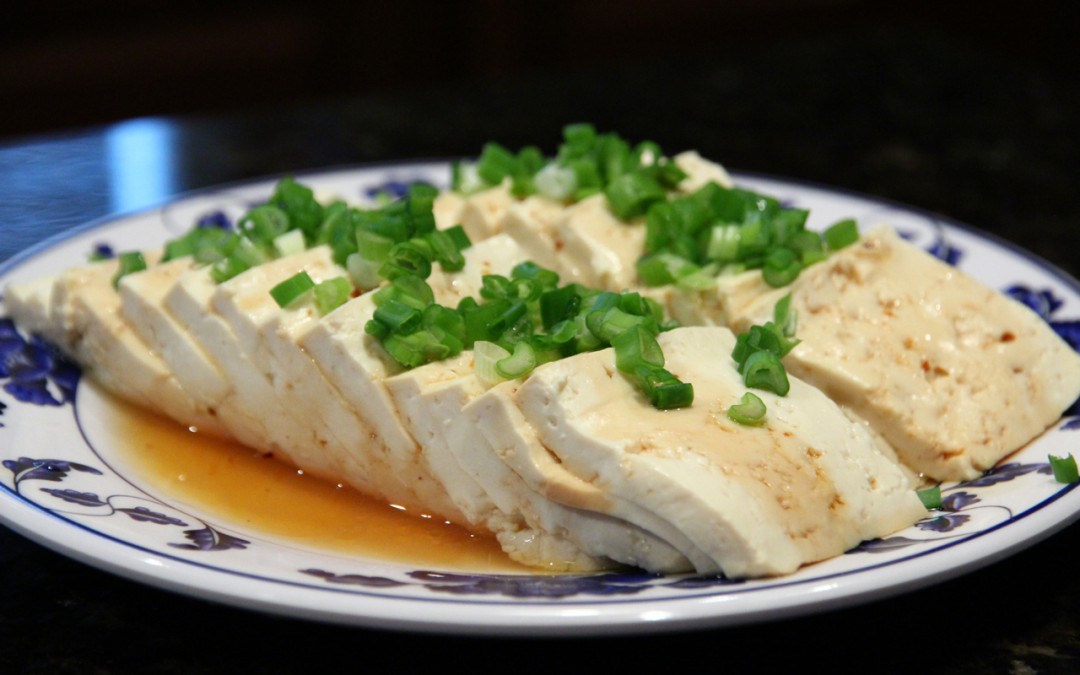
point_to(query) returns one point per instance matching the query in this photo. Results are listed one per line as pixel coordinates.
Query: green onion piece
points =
(930, 497)
(495, 163)
(781, 267)
(785, 317)
(763, 370)
(559, 304)
(841, 234)
(636, 347)
(723, 245)
(459, 237)
(749, 411)
(289, 243)
(406, 258)
(1064, 469)
(373, 246)
(377, 329)
(556, 182)
(263, 224)
(131, 261)
(445, 251)
(298, 204)
(545, 278)
(331, 294)
(486, 356)
(518, 364)
(631, 194)
(286, 292)
(364, 273)
(663, 389)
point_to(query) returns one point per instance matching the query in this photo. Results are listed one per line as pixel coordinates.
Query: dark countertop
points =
(916, 118)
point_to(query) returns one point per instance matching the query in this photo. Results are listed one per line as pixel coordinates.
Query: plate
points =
(64, 484)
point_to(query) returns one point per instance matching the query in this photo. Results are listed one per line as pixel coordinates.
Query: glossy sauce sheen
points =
(258, 494)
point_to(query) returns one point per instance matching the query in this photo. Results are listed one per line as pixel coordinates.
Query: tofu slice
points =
(531, 223)
(700, 171)
(758, 501)
(30, 305)
(601, 250)
(142, 304)
(357, 365)
(87, 323)
(483, 212)
(447, 209)
(954, 375)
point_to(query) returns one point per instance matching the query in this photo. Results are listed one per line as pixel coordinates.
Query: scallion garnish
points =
(749, 411)
(930, 497)
(331, 294)
(841, 234)
(130, 261)
(1064, 469)
(763, 370)
(288, 291)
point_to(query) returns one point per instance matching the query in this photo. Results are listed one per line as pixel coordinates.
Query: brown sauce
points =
(254, 493)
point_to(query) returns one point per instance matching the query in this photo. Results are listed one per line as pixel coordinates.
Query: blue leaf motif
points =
(1044, 302)
(958, 500)
(1069, 332)
(884, 545)
(946, 523)
(54, 470)
(209, 539)
(395, 189)
(76, 497)
(1005, 473)
(145, 515)
(1071, 425)
(215, 219)
(942, 250)
(353, 579)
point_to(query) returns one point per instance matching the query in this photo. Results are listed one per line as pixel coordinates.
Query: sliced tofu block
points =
(531, 223)
(30, 305)
(94, 332)
(447, 209)
(356, 364)
(483, 212)
(700, 171)
(954, 375)
(601, 250)
(807, 485)
(142, 304)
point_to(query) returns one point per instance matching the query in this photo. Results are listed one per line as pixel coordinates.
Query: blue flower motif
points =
(958, 500)
(1071, 425)
(394, 189)
(942, 250)
(946, 523)
(209, 539)
(1044, 302)
(216, 219)
(25, 468)
(1005, 473)
(31, 365)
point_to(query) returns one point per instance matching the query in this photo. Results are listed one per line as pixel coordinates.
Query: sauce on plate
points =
(253, 492)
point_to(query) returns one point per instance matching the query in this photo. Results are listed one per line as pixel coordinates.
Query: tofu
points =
(757, 501)
(30, 305)
(356, 364)
(447, 209)
(700, 172)
(531, 223)
(908, 342)
(483, 212)
(601, 250)
(142, 305)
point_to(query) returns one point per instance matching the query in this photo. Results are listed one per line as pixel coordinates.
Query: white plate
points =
(63, 484)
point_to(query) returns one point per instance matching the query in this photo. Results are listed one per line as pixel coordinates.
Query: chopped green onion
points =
(331, 294)
(364, 273)
(749, 411)
(398, 316)
(763, 370)
(636, 347)
(930, 497)
(1064, 468)
(841, 234)
(486, 356)
(785, 317)
(289, 243)
(286, 292)
(631, 194)
(663, 389)
(782, 265)
(556, 182)
(518, 364)
(131, 261)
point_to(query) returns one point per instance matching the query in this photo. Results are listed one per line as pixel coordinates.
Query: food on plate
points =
(508, 355)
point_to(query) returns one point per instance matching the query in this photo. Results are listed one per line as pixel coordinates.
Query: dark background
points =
(68, 63)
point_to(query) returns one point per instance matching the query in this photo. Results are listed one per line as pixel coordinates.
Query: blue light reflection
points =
(140, 160)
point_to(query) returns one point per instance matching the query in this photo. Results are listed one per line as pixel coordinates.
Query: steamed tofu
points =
(531, 223)
(483, 212)
(84, 318)
(142, 305)
(952, 374)
(602, 249)
(30, 305)
(700, 172)
(531, 528)
(356, 364)
(807, 485)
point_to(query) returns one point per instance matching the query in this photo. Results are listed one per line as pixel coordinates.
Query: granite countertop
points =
(915, 118)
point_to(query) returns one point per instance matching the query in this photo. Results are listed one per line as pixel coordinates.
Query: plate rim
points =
(614, 622)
